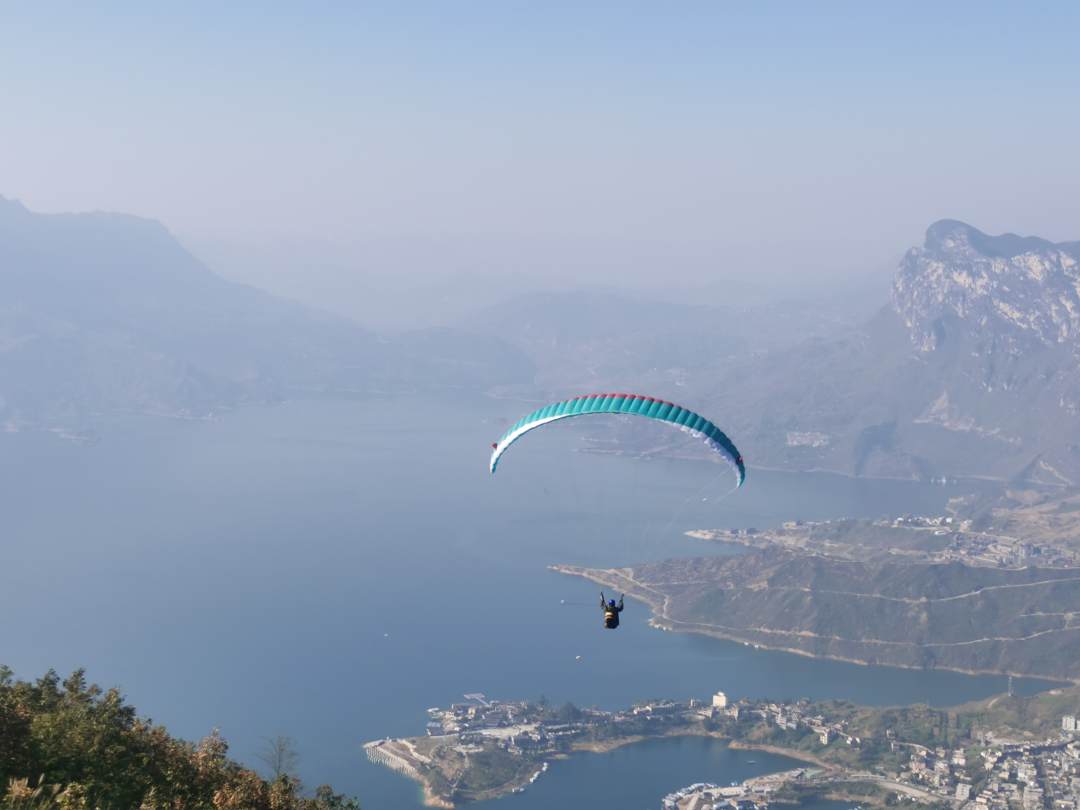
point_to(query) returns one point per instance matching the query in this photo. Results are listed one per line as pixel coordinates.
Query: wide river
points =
(328, 570)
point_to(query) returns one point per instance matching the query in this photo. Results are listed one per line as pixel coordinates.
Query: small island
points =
(999, 751)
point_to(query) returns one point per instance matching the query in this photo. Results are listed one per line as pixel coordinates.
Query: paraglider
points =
(635, 405)
(632, 404)
(611, 611)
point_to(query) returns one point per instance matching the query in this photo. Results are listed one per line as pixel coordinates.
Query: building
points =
(719, 701)
(1068, 723)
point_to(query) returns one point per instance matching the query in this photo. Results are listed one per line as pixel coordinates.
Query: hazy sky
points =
(654, 139)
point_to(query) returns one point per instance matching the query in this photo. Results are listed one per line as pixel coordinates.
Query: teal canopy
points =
(634, 404)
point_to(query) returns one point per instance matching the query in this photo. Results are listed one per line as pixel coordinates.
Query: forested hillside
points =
(71, 745)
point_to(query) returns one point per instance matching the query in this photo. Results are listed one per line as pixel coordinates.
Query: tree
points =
(280, 756)
(567, 713)
(326, 799)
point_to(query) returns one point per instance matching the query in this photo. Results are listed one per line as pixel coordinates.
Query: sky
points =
(606, 142)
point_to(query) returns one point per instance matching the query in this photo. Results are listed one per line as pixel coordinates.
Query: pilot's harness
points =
(611, 616)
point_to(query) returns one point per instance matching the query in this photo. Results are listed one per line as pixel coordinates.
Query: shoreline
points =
(607, 746)
(661, 621)
(432, 799)
(738, 745)
(779, 750)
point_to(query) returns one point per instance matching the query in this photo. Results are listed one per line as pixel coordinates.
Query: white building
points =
(719, 701)
(1068, 722)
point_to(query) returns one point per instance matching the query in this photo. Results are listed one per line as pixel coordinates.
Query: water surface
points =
(329, 570)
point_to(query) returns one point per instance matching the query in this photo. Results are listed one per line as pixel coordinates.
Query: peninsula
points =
(996, 593)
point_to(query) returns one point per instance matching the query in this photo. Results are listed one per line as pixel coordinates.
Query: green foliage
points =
(568, 713)
(917, 723)
(73, 746)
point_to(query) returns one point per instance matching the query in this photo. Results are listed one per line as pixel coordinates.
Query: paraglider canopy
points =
(632, 404)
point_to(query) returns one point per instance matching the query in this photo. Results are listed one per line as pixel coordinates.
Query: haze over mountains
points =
(973, 367)
(107, 314)
(595, 339)
(970, 369)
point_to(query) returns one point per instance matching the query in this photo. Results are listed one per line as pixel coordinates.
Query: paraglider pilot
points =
(611, 611)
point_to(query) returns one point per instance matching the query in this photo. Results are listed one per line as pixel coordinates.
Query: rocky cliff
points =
(972, 369)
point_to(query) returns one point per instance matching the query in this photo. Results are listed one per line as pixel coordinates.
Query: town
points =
(931, 539)
(1007, 774)
(481, 748)
(1029, 775)
(519, 726)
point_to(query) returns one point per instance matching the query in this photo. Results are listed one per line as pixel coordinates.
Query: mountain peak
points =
(1019, 291)
(952, 235)
(11, 206)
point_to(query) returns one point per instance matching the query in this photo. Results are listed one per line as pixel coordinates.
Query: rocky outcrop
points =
(972, 369)
(1021, 292)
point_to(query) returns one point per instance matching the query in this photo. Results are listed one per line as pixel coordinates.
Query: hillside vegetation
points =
(74, 746)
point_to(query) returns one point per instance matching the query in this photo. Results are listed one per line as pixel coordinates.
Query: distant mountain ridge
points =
(596, 339)
(972, 369)
(585, 339)
(107, 314)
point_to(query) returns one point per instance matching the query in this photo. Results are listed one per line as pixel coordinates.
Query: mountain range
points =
(107, 314)
(971, 368)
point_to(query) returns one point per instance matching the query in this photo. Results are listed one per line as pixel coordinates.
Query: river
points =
(330, 569)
